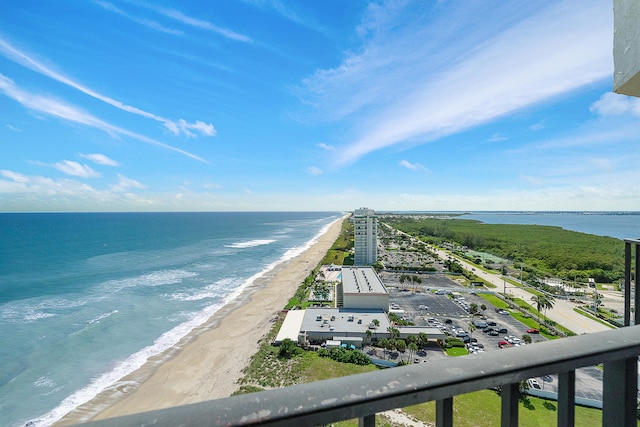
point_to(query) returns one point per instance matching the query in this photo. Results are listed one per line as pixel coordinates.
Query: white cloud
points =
(13, 128)
(314, 170)
(75, 169)
(466, 72)
(14, 176)
(43, 188)
(325, 146)
(184, 127)
(612, 104)
(497, 137)
(199, 23)
(125, 184)
(61, 110)
(537, 126)
(143, 21)
(100, 159)
(411, 166)
(27, 61)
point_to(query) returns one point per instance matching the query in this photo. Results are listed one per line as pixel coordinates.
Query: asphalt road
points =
(562, 311)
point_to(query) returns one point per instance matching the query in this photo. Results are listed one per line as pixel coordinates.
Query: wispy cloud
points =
(75, 169)
(325, 146)
(182, 126)
(126, 184)
(466, 72)
(197, 23)
(497, 137)
(312, 170)
(100, 159)
(61, 110)
(287, 11)
(143, 21)
(12, 53)
(13, 128)
(412, 166)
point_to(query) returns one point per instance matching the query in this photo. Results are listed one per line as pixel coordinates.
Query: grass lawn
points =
(494, 300)
(456, 351)
(482, 408)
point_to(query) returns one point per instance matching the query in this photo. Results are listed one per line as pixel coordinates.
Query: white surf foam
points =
(250, 243)
(164, 342)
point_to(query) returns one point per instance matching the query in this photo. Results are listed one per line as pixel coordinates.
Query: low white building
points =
(361, 288)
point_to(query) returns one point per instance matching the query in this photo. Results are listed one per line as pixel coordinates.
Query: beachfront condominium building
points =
(365, 230)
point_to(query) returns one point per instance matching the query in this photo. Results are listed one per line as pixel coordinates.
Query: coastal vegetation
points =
(341, 252)
(539, 250)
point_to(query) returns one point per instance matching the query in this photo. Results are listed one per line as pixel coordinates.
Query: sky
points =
(263, 105)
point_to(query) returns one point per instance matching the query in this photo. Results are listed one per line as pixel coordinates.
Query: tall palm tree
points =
(549, 301)
(539, 300)
(543, 302)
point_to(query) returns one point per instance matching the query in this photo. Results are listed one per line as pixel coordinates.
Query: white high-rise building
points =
(365, 230)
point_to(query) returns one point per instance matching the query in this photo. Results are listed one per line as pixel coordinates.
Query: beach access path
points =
(208, 363)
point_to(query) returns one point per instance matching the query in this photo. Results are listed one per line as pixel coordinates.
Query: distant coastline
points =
(617, 224)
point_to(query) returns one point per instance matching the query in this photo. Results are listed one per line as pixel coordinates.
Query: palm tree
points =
(394, 333)
(543, 302)
(539, 300)
(548, 304)
(413, 347)
(423, 339)
(368, 336)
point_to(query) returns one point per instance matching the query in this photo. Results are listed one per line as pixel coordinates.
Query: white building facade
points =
(365, 230)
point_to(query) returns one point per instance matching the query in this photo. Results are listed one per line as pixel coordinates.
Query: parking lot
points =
(422, 305)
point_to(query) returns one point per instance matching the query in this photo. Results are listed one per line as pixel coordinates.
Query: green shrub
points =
(340, 354)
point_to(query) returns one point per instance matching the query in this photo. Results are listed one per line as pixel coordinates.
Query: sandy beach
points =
(207, 364)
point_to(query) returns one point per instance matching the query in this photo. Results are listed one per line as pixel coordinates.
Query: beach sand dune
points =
(207, 364)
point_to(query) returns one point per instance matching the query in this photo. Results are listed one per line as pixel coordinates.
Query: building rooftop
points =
(343, 320)
(361, 280)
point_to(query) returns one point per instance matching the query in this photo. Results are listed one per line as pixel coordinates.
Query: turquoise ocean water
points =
(87, 298)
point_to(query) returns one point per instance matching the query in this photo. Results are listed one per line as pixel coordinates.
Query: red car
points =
(533, 331)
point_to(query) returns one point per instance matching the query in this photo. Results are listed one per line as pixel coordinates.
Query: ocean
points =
(86, 298)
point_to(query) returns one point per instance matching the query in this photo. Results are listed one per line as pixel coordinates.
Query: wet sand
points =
(208, 362)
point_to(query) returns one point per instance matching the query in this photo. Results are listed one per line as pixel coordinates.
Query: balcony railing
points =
(362, 396)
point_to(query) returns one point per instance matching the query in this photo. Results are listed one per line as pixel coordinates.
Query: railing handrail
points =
(365, 394)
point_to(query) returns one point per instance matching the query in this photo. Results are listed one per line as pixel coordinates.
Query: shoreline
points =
(207, 363)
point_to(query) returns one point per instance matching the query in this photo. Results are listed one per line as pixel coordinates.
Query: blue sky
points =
(113, 105)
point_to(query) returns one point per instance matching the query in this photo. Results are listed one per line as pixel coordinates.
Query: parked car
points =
(533, 331)
(504, 312)
(502, 330)
(533, 383)
(492, 323)
(480, 323)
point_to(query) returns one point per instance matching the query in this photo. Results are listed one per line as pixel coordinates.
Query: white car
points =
(533, 383)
